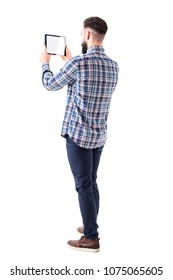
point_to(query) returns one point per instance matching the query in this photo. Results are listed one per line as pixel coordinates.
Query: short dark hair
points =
(97, 24)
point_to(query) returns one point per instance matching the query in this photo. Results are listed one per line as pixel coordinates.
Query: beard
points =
(84, 47)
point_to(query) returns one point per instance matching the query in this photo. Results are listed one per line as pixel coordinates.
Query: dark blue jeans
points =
(84, 165)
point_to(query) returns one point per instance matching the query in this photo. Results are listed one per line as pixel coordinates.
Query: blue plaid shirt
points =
(91, 79)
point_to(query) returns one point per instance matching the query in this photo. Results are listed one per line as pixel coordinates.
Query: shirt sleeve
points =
(66, 76)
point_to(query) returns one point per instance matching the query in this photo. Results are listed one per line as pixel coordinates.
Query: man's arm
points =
(62, 78)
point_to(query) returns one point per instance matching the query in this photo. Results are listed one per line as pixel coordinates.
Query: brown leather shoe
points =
(80, 230)
(84, 244)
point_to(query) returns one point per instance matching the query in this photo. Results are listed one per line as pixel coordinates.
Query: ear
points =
(88, 35)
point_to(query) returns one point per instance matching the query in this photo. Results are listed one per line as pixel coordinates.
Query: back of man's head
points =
(97, 24)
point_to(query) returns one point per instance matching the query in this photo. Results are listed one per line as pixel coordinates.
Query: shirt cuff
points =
(45, 67)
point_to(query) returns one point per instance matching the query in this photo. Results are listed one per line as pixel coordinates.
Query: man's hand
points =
(68, 55)
(45, 57)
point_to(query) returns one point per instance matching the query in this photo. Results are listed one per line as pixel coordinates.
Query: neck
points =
(94, 44)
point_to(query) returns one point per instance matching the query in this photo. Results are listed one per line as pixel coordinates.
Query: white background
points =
(39, 206)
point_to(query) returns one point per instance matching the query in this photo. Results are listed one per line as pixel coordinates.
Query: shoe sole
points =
(84, 249)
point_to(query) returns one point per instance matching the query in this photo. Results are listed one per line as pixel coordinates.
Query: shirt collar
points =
(95, 49)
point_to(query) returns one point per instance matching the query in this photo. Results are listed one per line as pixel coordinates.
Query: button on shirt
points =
(91, 79)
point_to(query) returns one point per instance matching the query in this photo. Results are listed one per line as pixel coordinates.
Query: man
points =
(91, 80)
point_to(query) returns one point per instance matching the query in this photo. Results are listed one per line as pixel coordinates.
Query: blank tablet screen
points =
(55, 44)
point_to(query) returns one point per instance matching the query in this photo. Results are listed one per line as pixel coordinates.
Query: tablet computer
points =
(55, 44)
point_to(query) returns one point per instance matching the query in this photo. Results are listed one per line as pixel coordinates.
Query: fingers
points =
(64, 58)
(68, 53)
(44, 49)
(67, 50)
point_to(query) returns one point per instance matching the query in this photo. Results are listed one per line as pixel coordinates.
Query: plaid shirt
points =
(91, 80)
